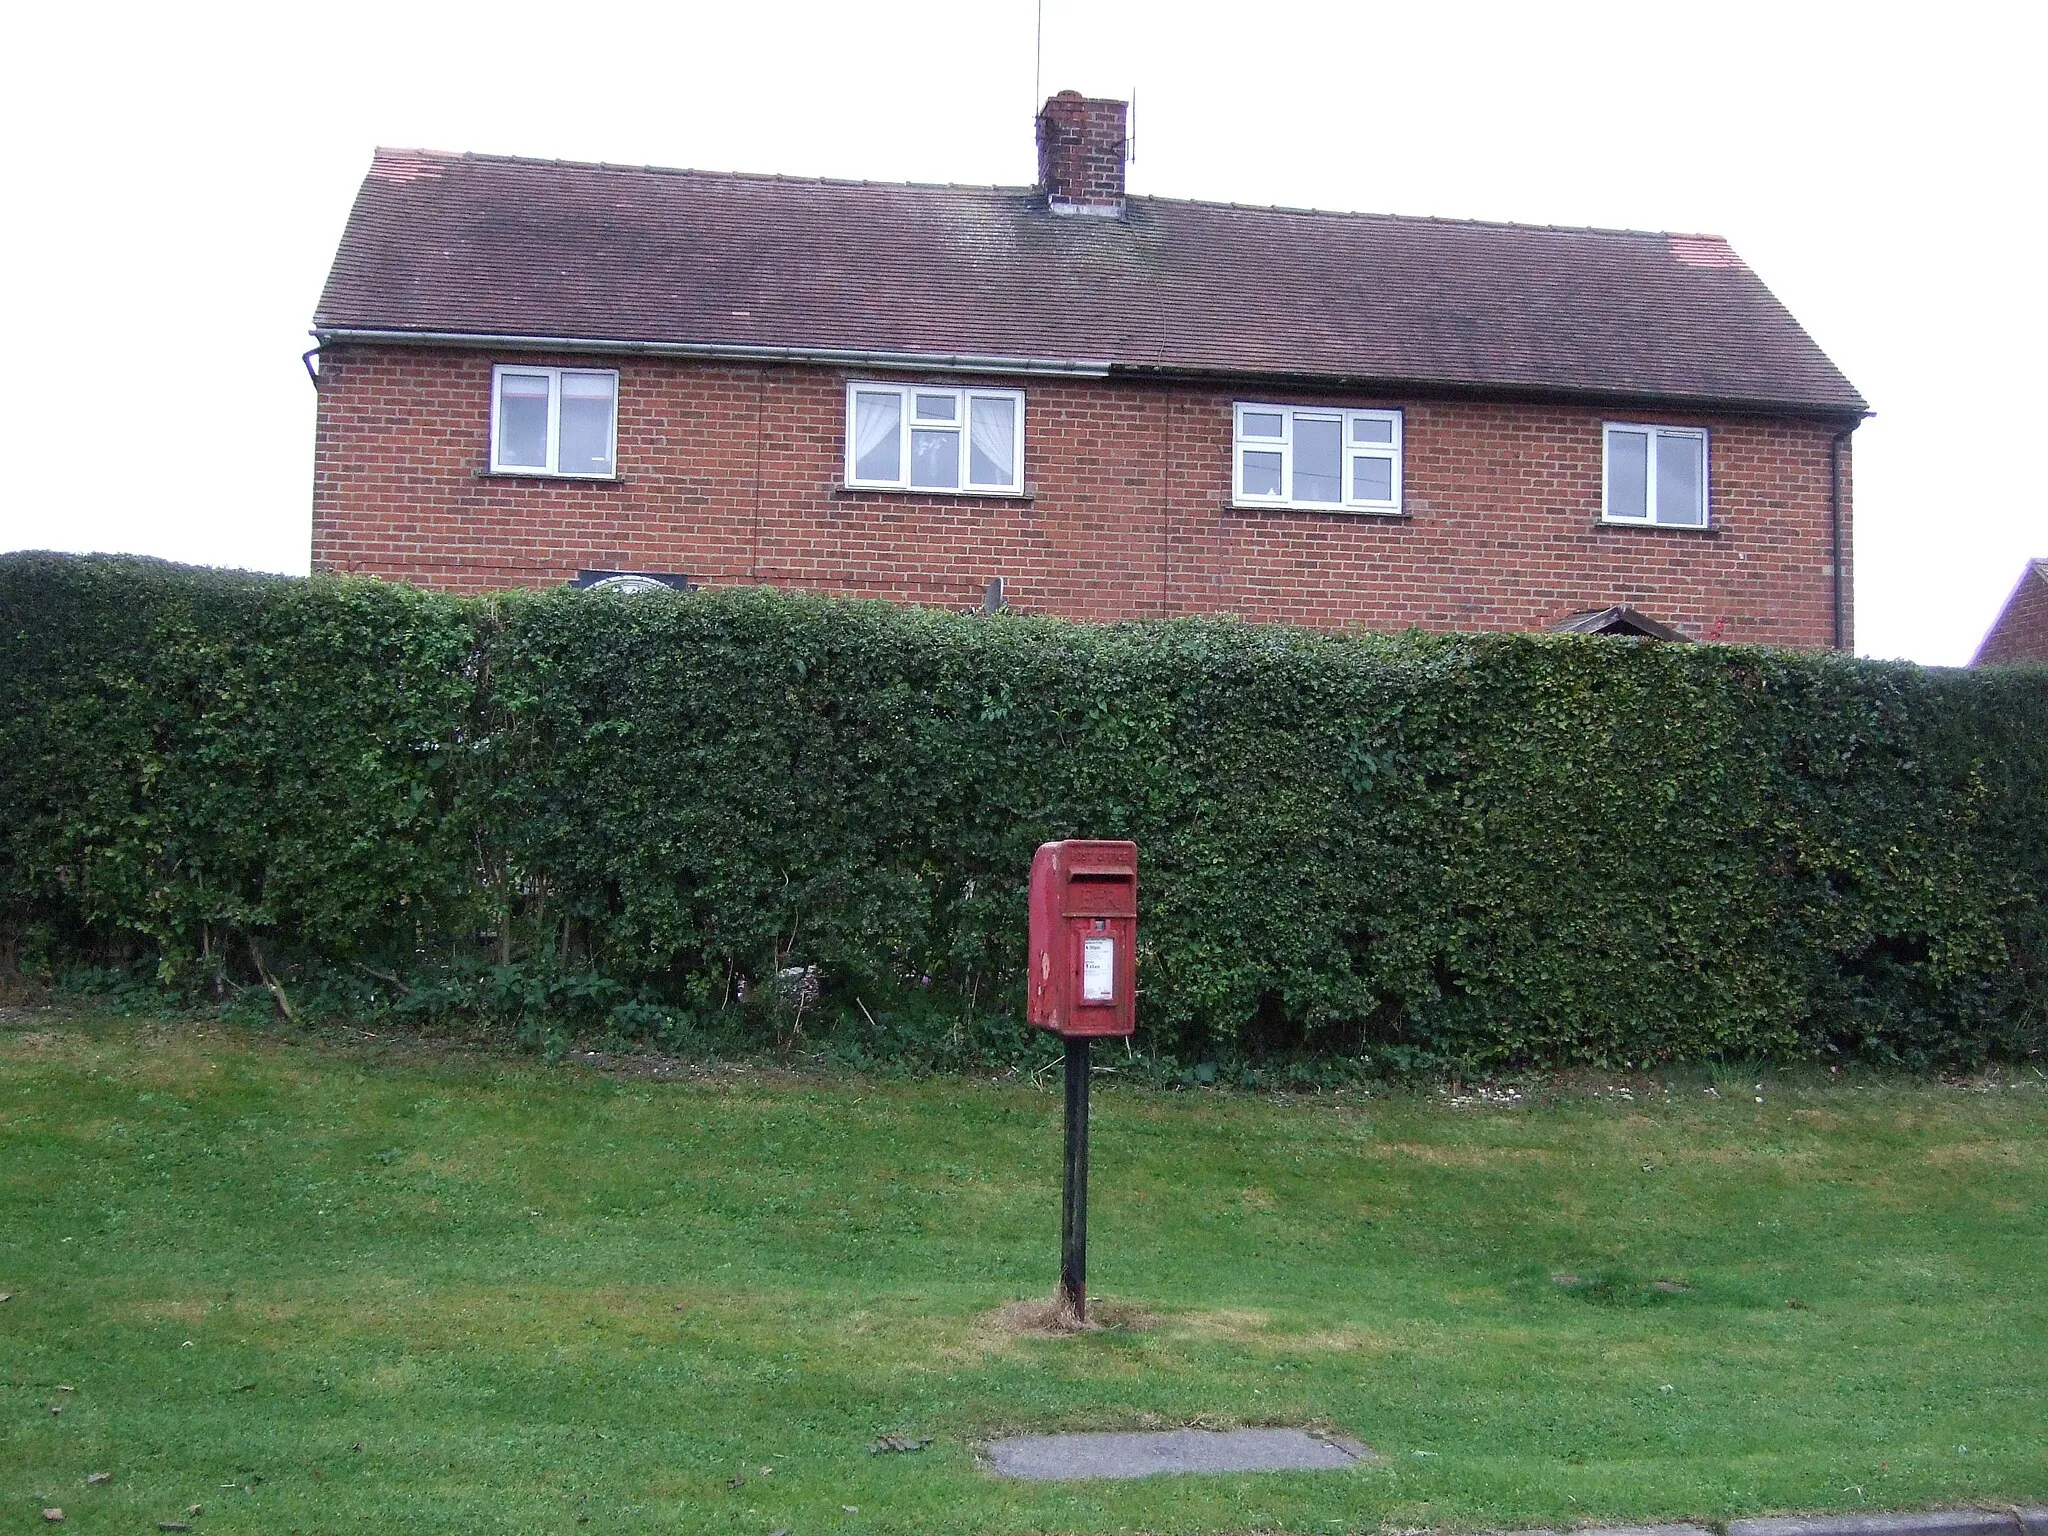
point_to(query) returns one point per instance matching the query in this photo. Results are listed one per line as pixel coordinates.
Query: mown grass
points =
(315, 1287)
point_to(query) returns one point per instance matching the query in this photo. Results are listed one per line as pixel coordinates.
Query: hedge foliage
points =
(1494, 849)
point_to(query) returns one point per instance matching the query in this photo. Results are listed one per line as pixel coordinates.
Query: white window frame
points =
(552, 470)
(1394, 451)
(963, 397)
(1656, 431)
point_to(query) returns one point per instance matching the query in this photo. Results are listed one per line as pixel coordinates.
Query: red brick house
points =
(1118, 407)
(2020, 632)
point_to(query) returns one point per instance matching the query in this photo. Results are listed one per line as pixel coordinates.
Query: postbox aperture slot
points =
(1106, 892)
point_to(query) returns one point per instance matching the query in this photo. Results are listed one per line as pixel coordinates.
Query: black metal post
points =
(1074, 1196)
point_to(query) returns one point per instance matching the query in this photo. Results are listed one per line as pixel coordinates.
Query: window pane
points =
(586, 447)
(522, 421)
(1261, 474)
(1372, 479)
(877, 436)
(1371, 429)
(934, 458)
(992, 442)
(1318, 458)
(1628, 474)
(938, 408)
(1678, 480)
(1262, 424)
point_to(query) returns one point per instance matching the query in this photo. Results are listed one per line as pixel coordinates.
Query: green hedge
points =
(1493, 849)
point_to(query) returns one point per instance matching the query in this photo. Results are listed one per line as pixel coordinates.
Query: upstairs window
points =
(903, 437)
(1317, 457)
(554, 421)
(1655, 475)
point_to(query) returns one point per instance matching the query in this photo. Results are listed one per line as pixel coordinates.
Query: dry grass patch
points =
(1235, 1323)
(1344, 1340)
(1736, 1155)
(1045, 1318)
(1440, 1156)
(1976, 1153)
(523, 1316)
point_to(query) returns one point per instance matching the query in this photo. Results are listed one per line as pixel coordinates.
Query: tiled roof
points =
(1618, 620)
(477, 245)
(2020, 632)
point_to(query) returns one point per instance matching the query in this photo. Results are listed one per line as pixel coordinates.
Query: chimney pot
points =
(1081, 153)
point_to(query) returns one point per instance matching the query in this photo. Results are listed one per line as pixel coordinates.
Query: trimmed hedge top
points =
(1493, 848)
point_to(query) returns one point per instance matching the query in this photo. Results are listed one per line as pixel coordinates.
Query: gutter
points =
(1073, 367)
(1494, 391)
(1835, 526)
(838, 357)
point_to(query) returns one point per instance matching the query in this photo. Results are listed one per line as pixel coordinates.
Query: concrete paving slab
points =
(1056, 1458)
(2030, 1521)
(1929, 1522)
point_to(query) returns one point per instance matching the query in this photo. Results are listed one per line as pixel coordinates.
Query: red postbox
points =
(1084, 939)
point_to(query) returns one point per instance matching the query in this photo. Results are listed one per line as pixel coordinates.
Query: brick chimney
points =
(1081, 150)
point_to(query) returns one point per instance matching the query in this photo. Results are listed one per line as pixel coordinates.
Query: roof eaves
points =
(1025, 365)
(1565, 394)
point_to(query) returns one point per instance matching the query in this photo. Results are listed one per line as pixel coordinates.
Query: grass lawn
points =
(313, 1287)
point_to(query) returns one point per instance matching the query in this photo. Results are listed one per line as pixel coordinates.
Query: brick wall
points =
(2020, 633)
(730, 474)
(1081, 151)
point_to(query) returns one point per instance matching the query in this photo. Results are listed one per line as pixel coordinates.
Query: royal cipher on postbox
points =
(1084, 938)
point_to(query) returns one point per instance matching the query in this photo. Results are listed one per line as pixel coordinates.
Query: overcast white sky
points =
(179, 175)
